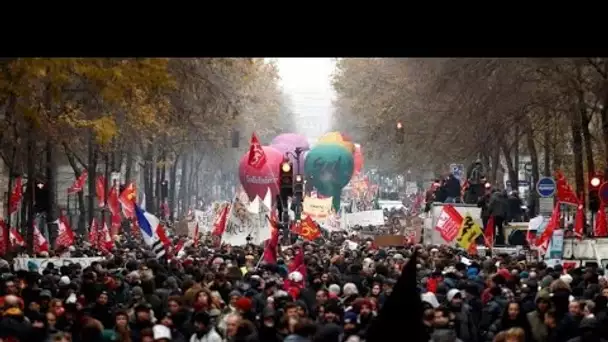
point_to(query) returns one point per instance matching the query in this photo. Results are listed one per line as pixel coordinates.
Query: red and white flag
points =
(65, 235)
(100, 191)
(94, 233)
(542, 242)
(257, 157)
(448, 223)
(40, 243)
(79, 183)
(107, 244)
(16, 238)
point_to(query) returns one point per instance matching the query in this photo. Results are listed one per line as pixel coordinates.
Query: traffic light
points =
(164, 189)
(41, 198)
(594, 192)
(298, 195)
(399, 134)
(286, 176)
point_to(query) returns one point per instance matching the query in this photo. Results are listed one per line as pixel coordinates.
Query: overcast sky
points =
(307, 81)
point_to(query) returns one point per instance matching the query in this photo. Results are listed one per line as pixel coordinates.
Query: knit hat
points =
(161, 332)
(244, 304)
(452, 293)
(350, 317)
(334, 288)
(65, 280)
(350, 289)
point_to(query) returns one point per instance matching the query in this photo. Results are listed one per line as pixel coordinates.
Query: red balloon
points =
(257, 181)
(358, 158)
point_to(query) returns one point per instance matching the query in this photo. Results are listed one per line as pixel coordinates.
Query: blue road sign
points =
(457, 170)
(545, 187)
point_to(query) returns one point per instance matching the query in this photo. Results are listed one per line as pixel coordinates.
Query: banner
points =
(243, 224)
(317, 208)
(468, 232)
(41, 263)
(365, 218)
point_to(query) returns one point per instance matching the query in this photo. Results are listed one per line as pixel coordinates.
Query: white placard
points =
(365, 218)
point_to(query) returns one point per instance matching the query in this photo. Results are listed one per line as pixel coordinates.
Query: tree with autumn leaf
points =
(461, 109)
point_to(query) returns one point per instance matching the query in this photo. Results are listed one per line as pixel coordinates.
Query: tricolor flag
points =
(149, 227)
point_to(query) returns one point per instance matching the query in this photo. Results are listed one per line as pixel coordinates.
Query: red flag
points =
(257, 158)
(162, 236)
(127, 200)
(100, 190)
(309, 229)
(16, 196)
(271, 245)
(579, 220)
(94, 233)
(40, 243)
(220, 221)
(78, 184)
(488, 233)
(543, 240)
(65, 235)
(296, 265)
(600, 229)
(565, 194)
(448, 223)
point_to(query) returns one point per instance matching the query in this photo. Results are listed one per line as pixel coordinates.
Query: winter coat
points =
(537, 326)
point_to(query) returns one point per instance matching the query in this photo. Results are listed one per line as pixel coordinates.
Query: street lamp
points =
(285, 167)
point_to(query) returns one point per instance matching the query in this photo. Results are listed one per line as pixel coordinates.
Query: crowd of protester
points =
(214, 294)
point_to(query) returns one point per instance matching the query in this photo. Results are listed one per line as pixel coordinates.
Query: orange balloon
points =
(337, 138)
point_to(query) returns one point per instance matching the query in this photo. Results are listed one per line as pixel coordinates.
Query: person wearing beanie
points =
(161, 333)
(203, 330)
(536, 319)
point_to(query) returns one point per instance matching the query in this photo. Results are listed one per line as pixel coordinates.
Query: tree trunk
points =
(587, 139)
(128, 166)
(510, 168)
(495, 166)
(183, 184)
(92, 177)
(29, 192)
(577, 150)
(148, 179)
(51, 184)
(547, 153)
(157, 186)
(534, 161)
(81, 229)
(173, 186)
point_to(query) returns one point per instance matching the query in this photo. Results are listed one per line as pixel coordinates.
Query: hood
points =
(444, 335)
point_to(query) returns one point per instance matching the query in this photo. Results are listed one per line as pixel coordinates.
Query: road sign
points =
(457, 170)
(603, 192)
(545, 187)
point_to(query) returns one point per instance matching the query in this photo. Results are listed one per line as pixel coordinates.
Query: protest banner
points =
(365, 218)
(41, 263)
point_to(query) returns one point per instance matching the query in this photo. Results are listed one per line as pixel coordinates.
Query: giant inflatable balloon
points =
(329, 168)
(291, 139)
(290, 151)
(358, 159)
(337, 138)
(257, 181)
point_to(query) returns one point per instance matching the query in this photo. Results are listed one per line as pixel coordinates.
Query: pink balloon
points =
(257, 181)
(284, 148)
(291, 139)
